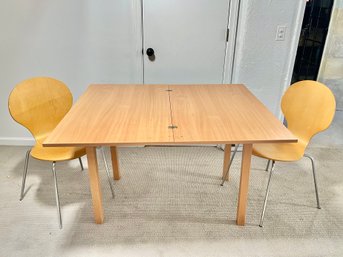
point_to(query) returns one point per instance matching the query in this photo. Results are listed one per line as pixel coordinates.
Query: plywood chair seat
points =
(286, 152)
(39, 104)
(56, 153)
(309, 107)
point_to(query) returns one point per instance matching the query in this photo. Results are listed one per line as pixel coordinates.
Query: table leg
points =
(95, 185)
(227, 155)
(115, 163)
(244, 184)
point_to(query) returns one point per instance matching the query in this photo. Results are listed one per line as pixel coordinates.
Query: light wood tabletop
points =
(116, 114)
(221, 114)
(112, 115)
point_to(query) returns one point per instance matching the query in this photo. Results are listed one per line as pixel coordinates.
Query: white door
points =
(186, 40)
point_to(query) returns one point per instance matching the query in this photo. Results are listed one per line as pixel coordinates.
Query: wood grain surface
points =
(221, 114)
(116, 114)
(161, 114)
(142, 114)
(95, 185)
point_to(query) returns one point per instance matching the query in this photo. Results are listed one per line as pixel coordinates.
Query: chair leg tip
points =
(261, 226)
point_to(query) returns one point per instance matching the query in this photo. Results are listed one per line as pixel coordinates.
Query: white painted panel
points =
(331, 67)
(189, 39)
(79, 42)
(263, 64)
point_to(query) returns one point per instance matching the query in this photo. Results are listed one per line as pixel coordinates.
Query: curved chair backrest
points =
(39, 104)
(309, 107)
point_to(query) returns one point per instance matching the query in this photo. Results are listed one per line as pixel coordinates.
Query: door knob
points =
(150, 52)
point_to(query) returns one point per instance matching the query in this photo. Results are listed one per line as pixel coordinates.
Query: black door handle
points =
(150, 52)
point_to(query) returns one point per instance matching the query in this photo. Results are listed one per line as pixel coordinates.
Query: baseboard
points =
(27, 141)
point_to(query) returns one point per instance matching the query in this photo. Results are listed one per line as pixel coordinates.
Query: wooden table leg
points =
(95, 185)
(115, 163)
(244, 184)
(227, 156)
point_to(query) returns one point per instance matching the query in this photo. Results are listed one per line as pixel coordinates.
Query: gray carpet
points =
(169, 203)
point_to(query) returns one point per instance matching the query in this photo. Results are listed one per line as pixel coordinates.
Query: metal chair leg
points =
(267, 193)
(81, 164)
(231, 160)
(107, 171)
(314, 179)
(56, 195)
(26, 165)
(268, 165)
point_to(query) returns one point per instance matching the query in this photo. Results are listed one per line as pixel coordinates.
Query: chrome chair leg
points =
(220, 147)
(267, 193)
(231, 160)
(107, 171)
(268, 165)
(314, 179)
(56, 195)
(26, 165)
(81, 164)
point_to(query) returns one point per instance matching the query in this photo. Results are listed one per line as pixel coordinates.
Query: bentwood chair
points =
(308, 107)
(39, 104)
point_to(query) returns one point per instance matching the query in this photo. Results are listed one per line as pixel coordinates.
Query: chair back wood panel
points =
(309, 107)
(39, 104)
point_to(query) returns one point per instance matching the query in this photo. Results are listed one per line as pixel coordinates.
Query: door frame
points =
(229, 61)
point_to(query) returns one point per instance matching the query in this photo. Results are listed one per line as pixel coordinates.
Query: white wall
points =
(264, 65)
(78, 42)
(85, 41)
(331, 68)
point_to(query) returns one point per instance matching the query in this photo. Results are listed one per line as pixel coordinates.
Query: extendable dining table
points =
(134, 114)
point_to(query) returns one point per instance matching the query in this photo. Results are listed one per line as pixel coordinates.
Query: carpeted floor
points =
(169, 203)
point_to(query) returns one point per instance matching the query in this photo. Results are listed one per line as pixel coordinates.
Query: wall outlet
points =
(280, 33)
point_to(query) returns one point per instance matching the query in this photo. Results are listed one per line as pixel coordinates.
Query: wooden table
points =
(112, 115)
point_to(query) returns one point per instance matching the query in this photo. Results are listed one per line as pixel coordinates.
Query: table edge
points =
(293, 140)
